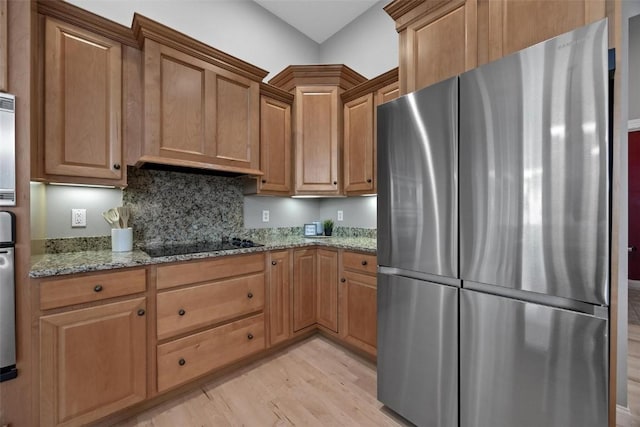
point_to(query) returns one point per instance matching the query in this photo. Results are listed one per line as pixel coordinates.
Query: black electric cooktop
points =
(155, 251)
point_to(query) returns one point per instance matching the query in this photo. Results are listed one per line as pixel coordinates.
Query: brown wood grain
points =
(358, 161)
(327, 289)
(279, 301)
(304, 288)
(78, 289)
(4, 44)
(359, 313)
(362, 263)
(92, 362)
(275, 147)
(208, 304)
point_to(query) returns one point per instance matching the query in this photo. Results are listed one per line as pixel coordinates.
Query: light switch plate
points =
(78, 218)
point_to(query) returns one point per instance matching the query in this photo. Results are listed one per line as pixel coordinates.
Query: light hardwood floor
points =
(313, 383)
(633, 373)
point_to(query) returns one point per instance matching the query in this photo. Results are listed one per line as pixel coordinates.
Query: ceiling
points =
(317, 19)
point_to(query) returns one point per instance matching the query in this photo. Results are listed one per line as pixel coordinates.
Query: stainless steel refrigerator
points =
(418, 282)
(493, 291)
(534, 236)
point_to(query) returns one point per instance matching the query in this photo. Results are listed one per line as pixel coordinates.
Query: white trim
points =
(635, 284)
(623, 416)
(634, 125)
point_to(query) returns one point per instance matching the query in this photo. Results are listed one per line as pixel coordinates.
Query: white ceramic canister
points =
(122, 239)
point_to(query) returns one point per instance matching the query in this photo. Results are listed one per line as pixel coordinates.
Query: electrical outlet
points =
(78, 218)
(265, 216)
(340, 216)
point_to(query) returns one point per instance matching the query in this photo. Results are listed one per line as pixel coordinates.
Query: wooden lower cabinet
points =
(187, 358)
(92, 362)
(279, 303)
(304, 288)
(359, 313)
(327, 298)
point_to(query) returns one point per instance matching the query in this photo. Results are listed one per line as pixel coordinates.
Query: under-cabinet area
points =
(162, 328)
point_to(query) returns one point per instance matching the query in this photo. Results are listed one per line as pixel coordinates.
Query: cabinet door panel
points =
(304, 288)
(83, 104)
(317, 139)
(4, 56)
(279, 297)
(360, 311)
(358, 145)
(275, 145)
(93, 361)
(182, 107)
(327, 302)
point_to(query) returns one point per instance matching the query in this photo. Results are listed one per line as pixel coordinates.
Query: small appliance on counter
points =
(8, 369)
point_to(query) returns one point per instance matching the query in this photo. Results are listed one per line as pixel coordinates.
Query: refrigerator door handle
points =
(392, 271)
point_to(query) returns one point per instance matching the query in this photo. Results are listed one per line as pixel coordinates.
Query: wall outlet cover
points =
(340, 216)
(265, 216)
(78, 218)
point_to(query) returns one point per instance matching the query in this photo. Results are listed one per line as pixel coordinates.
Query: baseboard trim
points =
(635, 284)
(623, 416)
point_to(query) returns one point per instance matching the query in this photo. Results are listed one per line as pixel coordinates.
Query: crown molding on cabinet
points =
(334, 75)
(372, 85)
(145, 28)
(71, 14)
(404, 12)
(276, 93)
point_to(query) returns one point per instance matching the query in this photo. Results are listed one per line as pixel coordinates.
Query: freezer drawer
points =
(534, 169)
(417, 181)
(530, 365)
(418, 350)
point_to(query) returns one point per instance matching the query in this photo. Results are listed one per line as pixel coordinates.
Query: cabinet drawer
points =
(94, 287)
(184, 359)
(360, 262)
(220, 268)
(185, 309)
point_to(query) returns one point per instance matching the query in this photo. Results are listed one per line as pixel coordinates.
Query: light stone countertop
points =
(87, 261)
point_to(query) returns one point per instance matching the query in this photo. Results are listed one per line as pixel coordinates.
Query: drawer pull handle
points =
(274, 262)
(181, 362)
(141, 312)
(97, 288)
(250, 336)
(181, 312)
(364, 262)
(343, 280)
(249, 295)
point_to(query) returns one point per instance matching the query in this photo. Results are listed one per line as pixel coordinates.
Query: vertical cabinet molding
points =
(305, 272)
(317, 124)
(327, 300)
(4, 51)
(279, 302)
(360, 131)
(201, 105)
(275, 143)
(82, 106)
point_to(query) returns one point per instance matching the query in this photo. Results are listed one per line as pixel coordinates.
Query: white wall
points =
(239, 27)
(357, 211)
(369, 44)
(283, 212)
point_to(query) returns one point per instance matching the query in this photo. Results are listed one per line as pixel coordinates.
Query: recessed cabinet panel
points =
(279, 297)
(83, 104)
(359, 172)
(304, 288)
(275, 146)
(327, 302)
(182, 107)
(233, 130)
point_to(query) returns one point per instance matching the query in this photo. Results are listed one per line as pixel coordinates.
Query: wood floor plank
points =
(312, 383)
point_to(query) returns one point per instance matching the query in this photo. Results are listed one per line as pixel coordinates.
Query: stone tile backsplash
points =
(173, 206)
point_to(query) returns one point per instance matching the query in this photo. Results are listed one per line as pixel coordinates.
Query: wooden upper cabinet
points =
(201, 105)
(317, 124)
(82, 105)
(513, 25)
(360, 102)
(438, 40)
(4, 52)
(275, 143)
(327, 299)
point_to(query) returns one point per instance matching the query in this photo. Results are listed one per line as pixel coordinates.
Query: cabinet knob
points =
(274, 262)
(343, 280)
(250, 336)
(97, 288)
(335, 182)
(181, 362)
(364, 262)
(249, 295)
(141, 312)
(116, 166)
(181, 312)
(264, 181)
(369, 180)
